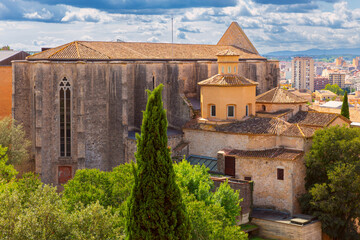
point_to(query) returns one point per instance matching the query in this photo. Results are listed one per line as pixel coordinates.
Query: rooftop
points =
(5, 54)
(315, 119)
(226, 52)
(297, 130)
(208, 162)
(227, 80)
(274, 153)
(252, 125)
(334, 104)
(234, 41)
(137, 50)
(279, 95)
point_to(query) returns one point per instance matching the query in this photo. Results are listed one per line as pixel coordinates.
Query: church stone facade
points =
(79, 102)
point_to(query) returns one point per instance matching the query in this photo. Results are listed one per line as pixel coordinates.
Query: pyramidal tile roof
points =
(279, 95)
(227, 80)
(235, 36)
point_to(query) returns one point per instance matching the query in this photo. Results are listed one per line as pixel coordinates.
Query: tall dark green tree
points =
(345, 107)
(155, 206)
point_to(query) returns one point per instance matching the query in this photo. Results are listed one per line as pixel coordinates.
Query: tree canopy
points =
(333, 180)
(12, 136)
(334, 88)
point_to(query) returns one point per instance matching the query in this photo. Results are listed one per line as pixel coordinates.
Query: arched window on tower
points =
(153, 82)
(65, 118)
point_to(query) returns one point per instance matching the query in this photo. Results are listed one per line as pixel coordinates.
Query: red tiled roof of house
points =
(296, 130)
(227, 80)
(279, 95)
(253, 125)
(274, 153)
(316, 119)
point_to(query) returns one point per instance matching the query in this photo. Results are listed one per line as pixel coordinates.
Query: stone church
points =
(80, 103)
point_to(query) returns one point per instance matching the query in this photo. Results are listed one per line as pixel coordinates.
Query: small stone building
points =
(267, 148)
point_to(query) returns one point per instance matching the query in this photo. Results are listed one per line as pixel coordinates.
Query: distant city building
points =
(337, 78)
(303, 73)
(320, 83)
(340, 61)
(319, 70)
(356, 62)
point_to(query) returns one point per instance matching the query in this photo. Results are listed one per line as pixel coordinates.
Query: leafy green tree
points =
(12, 136)
(212, 214)
(7, 172)
(88, 186)
(195, 180)
(96, 222)
(108, 188)
(44, 217)
(227, 198)
(342, 189)
(155, 207)
(345, 107)
(334, 88)
(333, 157)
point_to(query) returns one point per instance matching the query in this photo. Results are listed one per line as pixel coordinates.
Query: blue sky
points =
(271, 25)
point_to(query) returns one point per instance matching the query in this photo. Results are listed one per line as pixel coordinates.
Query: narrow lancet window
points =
(65, 118)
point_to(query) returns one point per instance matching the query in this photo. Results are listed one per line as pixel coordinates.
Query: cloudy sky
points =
(271, 25)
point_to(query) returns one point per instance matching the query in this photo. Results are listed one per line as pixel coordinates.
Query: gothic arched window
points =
(65, 118)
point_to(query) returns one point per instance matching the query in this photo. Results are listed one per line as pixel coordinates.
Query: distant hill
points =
(315, 52)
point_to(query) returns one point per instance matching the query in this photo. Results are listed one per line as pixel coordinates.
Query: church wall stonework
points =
(108, 98)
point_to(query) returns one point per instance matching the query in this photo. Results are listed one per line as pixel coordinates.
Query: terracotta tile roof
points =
(235, 36)
(278, 113)
(296, 130)
(253, 125)
(227, 80)
(279, 95)
(226, 52)
(274, 153)
(82, 50)
(313, 118)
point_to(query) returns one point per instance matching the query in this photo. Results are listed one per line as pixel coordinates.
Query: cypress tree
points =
(345, 107)
(155, 207)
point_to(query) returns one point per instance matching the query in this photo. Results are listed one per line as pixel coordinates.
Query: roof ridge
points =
(276, 91)
(302, 133)
(94, 50)
(67, 45)
(77, 49)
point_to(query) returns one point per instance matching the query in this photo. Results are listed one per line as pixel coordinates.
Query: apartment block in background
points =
(337, 78)
(320, 83)
(303, 73)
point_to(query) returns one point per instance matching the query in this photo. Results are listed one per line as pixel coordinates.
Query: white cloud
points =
(269, 28)
(44, 14)
(87, 15)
